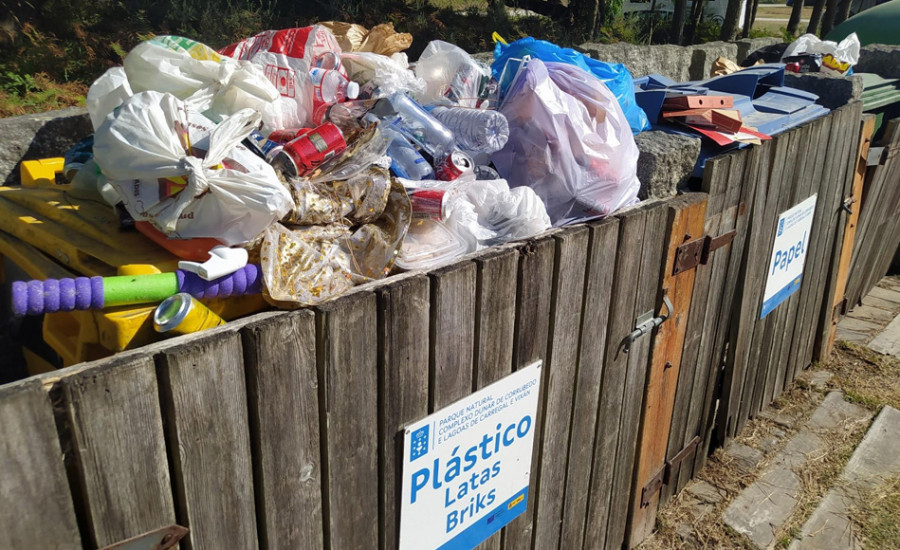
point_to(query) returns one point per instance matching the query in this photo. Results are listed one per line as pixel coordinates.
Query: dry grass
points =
(879, 519)
(867, 378)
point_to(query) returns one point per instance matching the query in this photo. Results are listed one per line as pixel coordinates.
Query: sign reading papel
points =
(466, 467)
(788, 254)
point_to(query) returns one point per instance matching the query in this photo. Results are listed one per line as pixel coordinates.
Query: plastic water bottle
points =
(476, 130)
(414, 122)
(329, 87)
(406, 162)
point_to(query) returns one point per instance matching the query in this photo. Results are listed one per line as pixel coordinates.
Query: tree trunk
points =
(816, 17)
(584, 17)
(828, 18)
(750, 17)
(696, 17)
(678, 16)
(843, 12)
(732, 17)
(796, 13)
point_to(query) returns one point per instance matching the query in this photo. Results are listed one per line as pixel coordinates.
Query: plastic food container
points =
(429, 243)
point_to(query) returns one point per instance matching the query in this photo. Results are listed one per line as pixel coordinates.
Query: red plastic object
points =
(194, 250)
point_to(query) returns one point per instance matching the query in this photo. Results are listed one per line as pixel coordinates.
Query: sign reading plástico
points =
(466, 467)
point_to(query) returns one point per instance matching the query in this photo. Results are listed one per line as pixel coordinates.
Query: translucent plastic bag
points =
(308, 265)
(569, 141)
(188, 176)
(380, 76)
(615, 76)
(451, 74)
(837, 58)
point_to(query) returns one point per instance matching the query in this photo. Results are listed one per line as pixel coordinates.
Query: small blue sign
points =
(418, 443)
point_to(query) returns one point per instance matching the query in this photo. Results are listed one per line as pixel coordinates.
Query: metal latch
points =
(876, 156)
(647, 322)
(665, 474)
(158, 539)
(696, 252)
(848, 202)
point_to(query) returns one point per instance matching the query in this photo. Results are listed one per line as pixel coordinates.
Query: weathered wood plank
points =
(598, 287)
(621, 322)
(559, 373)
(686, 216)
(722, 210)
(495, 322)
(347, 361)
(283, 397)
(39, 511)
(647, 299)
(403, 324)
(452, 333)
(205, 413)
(532, 331)
(119, 449)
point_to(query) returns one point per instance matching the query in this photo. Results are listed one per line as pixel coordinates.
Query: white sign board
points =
(788, 254)
(466, 467)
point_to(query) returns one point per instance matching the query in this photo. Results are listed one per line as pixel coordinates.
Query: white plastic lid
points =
(429, 243)
(352, 90)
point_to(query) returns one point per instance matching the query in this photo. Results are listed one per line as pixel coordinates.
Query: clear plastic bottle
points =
(352, 115)
(330, 87)
(414, 122)
(476, 130)
(406, 162)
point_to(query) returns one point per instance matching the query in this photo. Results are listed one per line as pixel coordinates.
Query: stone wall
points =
(38, 136)
(879, 59)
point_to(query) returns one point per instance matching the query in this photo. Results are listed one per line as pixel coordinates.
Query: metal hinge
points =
(839, 310)
(666, 473)
(647, 322)
(877, 156)
(696, 252)
(158, 539)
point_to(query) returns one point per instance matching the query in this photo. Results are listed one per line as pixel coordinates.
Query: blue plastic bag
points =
(615, 76)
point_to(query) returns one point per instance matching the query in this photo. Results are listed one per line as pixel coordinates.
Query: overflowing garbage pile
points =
(324, 158)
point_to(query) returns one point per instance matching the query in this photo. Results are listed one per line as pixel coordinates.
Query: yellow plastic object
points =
(40, 173)
(50, 234)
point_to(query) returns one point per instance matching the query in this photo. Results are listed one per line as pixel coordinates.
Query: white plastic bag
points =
(837, 58)
(451, 74)
(220, 190)
(107, 93)
(569, 141)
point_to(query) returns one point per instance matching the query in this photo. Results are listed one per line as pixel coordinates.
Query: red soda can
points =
(427, 203)
(288, 134)
(456, 164)
(302, 155)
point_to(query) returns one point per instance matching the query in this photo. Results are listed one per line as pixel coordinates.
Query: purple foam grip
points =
(52, 295)
(247, 280)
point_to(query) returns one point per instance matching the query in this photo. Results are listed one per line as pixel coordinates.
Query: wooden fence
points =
(281, 430)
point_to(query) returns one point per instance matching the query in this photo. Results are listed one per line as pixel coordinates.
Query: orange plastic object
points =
(195, 250)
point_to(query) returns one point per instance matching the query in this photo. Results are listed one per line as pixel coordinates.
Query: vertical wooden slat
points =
(532, 331)
(700, 331)
(495, 327)
(347, 355)
(686, 216)
(403, 310)
(819, 328)
(621, 322)
(852, 221)
(283, 397)
(452, 333)
(205, 411)
(652, 254)
(38, 511)
(597, 294)
(119, 449)
(559, 376)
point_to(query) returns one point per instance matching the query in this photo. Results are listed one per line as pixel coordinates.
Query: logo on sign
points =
(419, 444)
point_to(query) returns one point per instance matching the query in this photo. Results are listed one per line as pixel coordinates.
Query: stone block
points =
(43, 135)
(745, 458)
(665, 163)
(834, 91)
(834, 412)
(885, 294)
(880, 59)
(704, 491)
(747, 46)
(888, 340)
(760, 509)
(872, 315)
(704, 55)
